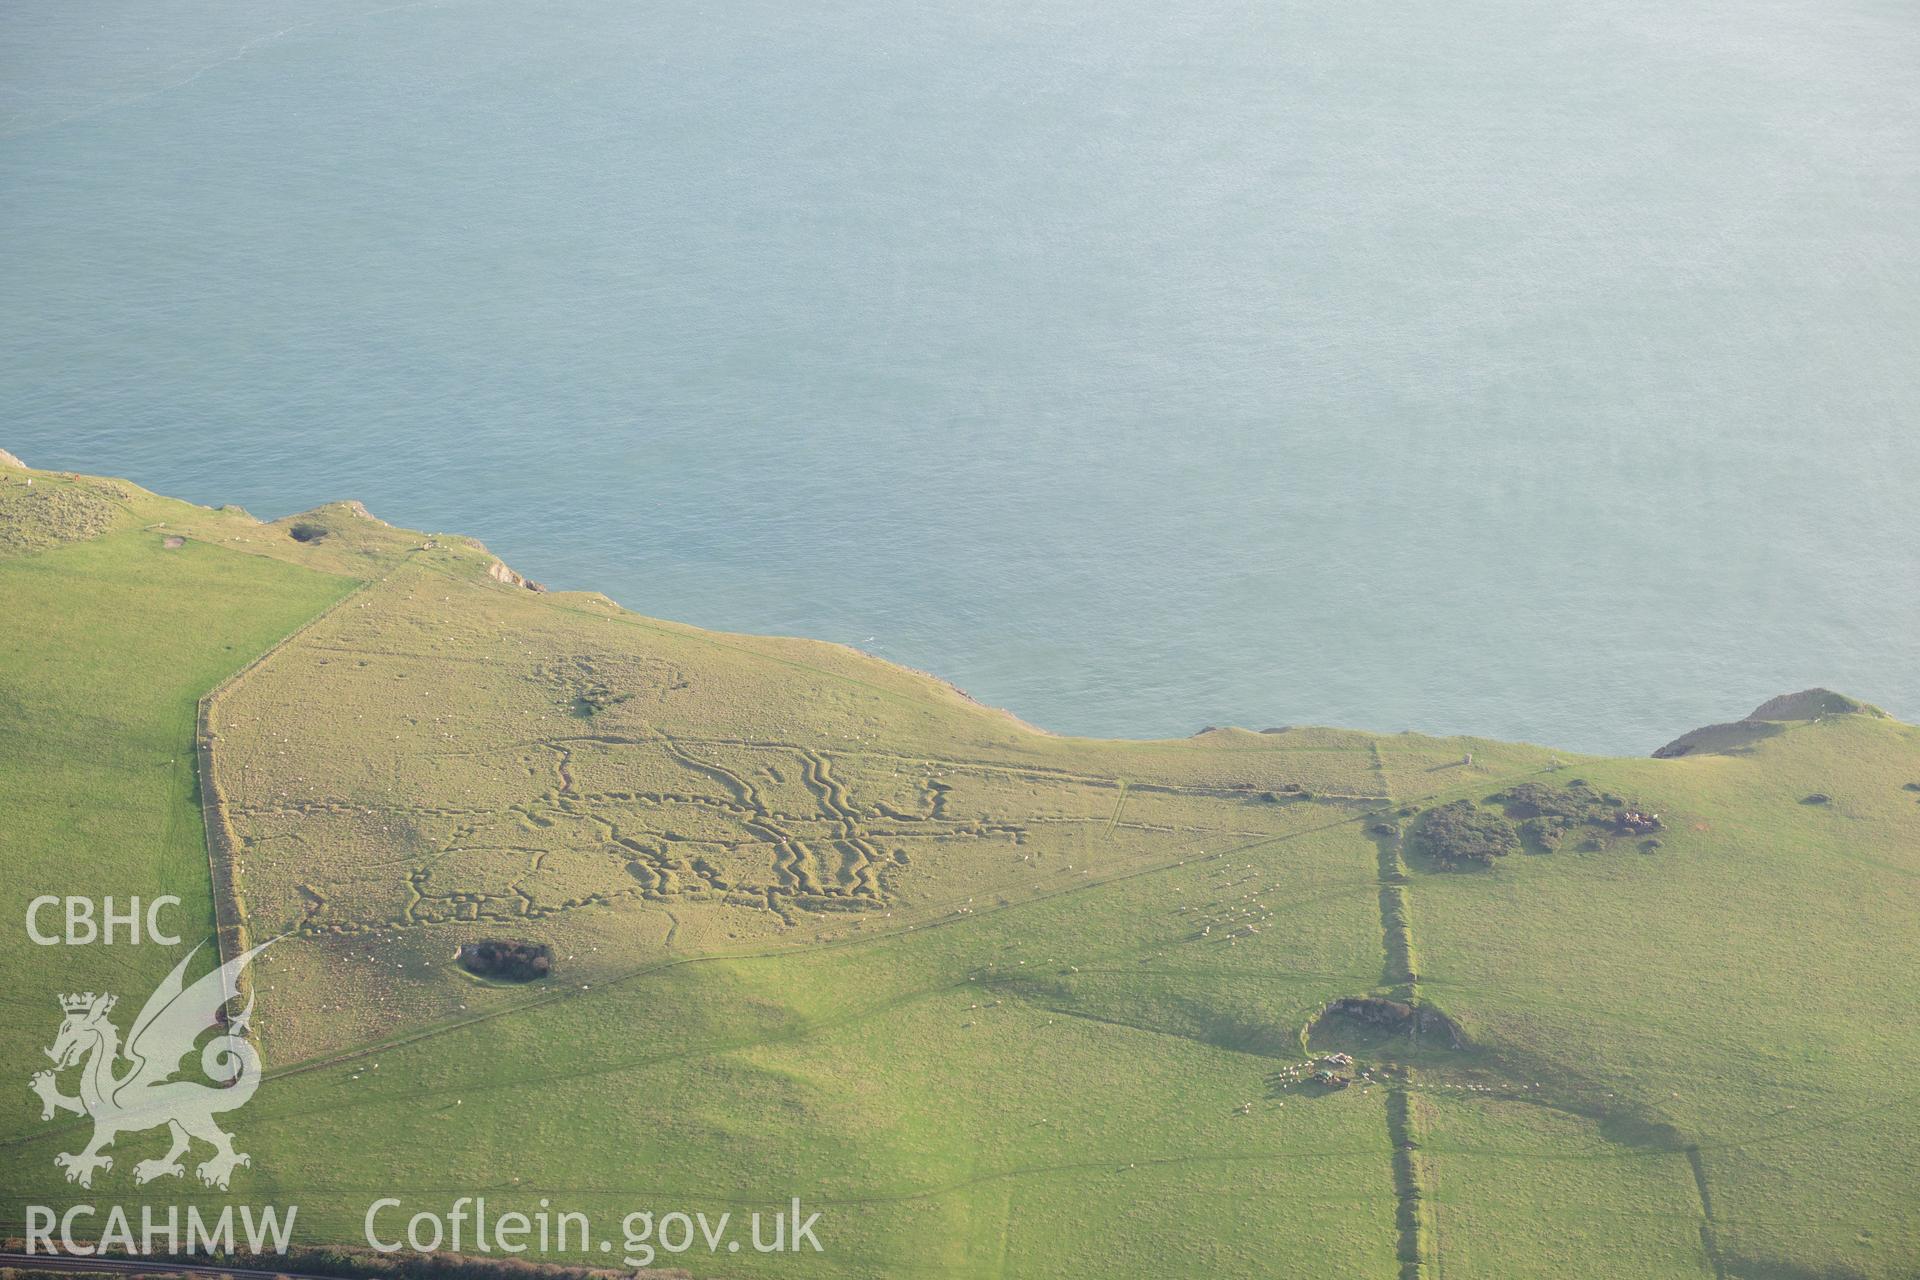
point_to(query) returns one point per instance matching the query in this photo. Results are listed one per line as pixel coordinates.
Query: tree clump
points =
(1462, 834)
(1395, 1016)
(1551, 814)
(507, 959)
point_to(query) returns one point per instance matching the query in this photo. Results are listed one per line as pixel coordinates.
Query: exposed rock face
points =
(8, 460)
(499, 572)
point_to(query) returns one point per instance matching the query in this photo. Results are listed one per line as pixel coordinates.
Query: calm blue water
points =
(1544, 371)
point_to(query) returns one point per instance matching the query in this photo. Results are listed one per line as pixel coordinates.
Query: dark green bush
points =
(1462, 834)
(1544, 833)
(506, 958)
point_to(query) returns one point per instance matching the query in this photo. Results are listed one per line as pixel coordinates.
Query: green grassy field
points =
(996, 1003)
(107, 640)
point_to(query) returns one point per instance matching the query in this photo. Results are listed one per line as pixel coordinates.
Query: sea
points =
(1538, 371)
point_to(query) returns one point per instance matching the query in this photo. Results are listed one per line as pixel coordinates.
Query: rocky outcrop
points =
(1764, 721)
(1812, 704)
(499, 572)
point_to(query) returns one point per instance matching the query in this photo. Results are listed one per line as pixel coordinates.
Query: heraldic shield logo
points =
(138, 1084)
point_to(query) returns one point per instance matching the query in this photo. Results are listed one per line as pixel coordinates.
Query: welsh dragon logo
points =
(143, 1094)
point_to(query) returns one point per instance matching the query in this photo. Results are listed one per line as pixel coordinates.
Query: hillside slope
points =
(997, 1002)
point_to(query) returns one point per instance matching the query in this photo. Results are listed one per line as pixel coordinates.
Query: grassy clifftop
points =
(996, 1001)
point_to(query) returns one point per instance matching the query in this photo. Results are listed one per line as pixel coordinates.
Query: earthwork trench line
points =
(229, 917)
(230, 926)
(951, 917)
